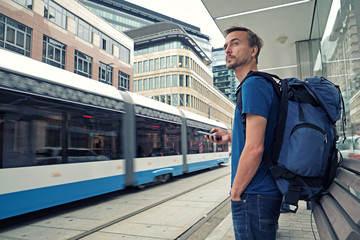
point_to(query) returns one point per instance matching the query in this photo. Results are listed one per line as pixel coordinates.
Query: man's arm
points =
(251, 155)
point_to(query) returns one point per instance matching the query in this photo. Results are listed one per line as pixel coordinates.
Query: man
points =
(255, 197)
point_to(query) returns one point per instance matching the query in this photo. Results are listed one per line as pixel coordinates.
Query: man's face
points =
(237, 50)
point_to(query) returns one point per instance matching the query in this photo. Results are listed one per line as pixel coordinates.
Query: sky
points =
(189, 11)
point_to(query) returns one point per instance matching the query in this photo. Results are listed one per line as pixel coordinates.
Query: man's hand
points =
(221, 136)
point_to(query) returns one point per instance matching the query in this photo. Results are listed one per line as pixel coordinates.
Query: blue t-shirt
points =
(258, 97)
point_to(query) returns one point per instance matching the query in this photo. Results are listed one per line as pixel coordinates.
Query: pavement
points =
(291, 226)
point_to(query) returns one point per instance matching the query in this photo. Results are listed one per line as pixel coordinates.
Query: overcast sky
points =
(189, 11)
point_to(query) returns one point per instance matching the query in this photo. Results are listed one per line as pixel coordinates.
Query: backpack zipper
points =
(309, 125)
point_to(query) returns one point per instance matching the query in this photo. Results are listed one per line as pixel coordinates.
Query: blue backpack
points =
(304, 157)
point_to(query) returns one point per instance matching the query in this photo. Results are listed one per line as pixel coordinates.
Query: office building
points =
(170, 67)
(172, 59)
(67, 35)
(126, 16)
(224, 78)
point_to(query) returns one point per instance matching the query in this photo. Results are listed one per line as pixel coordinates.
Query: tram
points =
(64, 137)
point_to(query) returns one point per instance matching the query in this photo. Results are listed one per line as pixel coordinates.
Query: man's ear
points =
(254, 51)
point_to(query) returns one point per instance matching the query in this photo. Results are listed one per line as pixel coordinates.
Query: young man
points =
(255, 197)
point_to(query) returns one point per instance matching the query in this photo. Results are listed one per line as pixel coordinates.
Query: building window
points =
(162, 98)
(103, 44)
(151, 83)
(146, 84)
(151, 65)
(174, 61)
(140, 67)
(135, 67)
(162, 81)
(175, 100)
(168, 99)
(53, 52)
(157, 84)
(187, 100)
(106, 43)
(135, 86)
(174, 80)
(168, 81)
(162, 63)
(146, 65)
(83, 30)
(188, 81)
(157, 64)
(181, 80)
(140, 85)
(181, 61)
(26, 3)
(187, 62)
(105, 73)
(124, 54)
(82, 64)
(168, 64)
(182, 103)
(55, 13)
(123, 80)
(15, 36)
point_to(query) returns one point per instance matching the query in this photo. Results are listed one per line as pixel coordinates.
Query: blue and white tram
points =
(64, 137)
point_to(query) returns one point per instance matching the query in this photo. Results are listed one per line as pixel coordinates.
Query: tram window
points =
(94, 132)
(157, 138)
(33, 131)
(24, 128)
(197, 143)
(222, 147)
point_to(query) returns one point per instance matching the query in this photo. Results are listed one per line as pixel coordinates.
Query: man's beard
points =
(237, 63)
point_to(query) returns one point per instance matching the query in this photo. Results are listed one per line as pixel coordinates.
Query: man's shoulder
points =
(256, 81)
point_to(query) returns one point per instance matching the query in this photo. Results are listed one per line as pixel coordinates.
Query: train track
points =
(182, 236)
(189, 232)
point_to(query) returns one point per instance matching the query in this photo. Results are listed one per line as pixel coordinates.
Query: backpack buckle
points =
(288, 207)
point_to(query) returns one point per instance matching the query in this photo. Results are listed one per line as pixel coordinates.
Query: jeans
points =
(255, 217)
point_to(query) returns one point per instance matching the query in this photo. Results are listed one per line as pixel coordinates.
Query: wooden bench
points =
(337, 214)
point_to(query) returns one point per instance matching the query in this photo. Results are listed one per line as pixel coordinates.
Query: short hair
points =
(253, 39)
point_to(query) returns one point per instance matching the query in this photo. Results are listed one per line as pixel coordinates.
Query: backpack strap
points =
(267, 76)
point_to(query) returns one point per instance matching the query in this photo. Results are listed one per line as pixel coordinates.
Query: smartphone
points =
(205, 133)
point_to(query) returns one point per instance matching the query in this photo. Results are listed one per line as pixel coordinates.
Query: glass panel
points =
(50, 51)
(338, 59)
(156, 138)
(10, 35)
(57, 55)
(20, 39)
(197, 143)
(174, 80)
(2, 31)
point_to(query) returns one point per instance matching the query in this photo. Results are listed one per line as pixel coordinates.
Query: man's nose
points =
(227, 49)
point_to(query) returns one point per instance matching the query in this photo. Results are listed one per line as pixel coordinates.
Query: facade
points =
(170, 67)
(65, 34)
(224, 78)
(126, 16)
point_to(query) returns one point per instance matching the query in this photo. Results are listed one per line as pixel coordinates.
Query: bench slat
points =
(348, 178)
(348, 202)
(322, 223)
(339, 220)
(352, 165)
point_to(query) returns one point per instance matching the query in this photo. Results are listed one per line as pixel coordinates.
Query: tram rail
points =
(188, 232)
